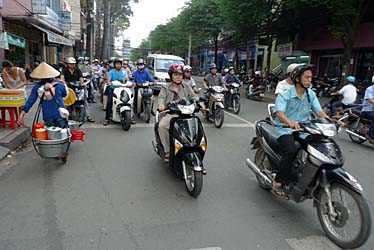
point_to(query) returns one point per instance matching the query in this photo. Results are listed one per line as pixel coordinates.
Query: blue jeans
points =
(370, 116)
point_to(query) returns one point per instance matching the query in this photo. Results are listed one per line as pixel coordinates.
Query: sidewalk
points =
(11, 139)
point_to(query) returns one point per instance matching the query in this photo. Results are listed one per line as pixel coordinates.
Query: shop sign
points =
(39, 7)
(65, 21)
(16, 40)
(4, 41)
(284, 49)
(53, 18)
(54, 38)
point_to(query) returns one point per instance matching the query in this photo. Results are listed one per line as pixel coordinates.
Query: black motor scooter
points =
(188, 144)
(318, 174)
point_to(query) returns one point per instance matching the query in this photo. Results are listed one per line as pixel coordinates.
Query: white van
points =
(159, 64)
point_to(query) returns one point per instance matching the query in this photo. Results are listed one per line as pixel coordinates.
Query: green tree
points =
(204, 19)
(254, 20)
(346, 17)
(141, 51)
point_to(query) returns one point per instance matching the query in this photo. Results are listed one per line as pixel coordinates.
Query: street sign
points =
(39, 7)
(65, 21)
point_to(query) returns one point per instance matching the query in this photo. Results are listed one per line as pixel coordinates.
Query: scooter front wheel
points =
(147, 112)
(126, 120)
(219, 117)
(236, 105)
(193, 180)
(349, 224)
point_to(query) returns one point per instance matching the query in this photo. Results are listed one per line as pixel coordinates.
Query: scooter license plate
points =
(262, 94)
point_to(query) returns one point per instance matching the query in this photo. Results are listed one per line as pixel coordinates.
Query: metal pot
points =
(73, 125)
(54, 133)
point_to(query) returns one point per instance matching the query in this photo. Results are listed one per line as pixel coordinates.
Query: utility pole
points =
(106, 35)
(189, 49)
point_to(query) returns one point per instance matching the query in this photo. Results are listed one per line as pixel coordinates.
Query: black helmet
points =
(117, 60)
(140, 61)
(212, 66)
(298, 71)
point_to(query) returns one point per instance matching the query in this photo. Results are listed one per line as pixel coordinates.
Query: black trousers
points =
(290, 151)
(109, 91)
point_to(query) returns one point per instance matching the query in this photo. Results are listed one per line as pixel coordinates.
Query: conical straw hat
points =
(44, 71)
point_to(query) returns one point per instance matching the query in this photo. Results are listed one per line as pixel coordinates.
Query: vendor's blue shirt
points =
(369, 93)
(116, 75)
(49, 107)
(296, 109)
(231, 79)
(142, 76)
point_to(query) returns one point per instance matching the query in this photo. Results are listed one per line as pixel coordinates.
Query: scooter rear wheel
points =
(260, 161)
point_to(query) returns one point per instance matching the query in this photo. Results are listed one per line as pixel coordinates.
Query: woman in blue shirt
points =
(52, 101)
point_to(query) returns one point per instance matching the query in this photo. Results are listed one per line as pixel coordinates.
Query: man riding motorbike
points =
(231, 77)
(126, 67)
(293, 106)
(97, 73)
(174, 91)
(140, 76)
(368, 109)
(349, 93)
(88, 72)
(213, 79)
(117, 74)
(187, 79)
(73, 74)
(287, 83)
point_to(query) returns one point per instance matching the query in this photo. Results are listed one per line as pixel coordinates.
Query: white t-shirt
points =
(349, 93)
(282, 86)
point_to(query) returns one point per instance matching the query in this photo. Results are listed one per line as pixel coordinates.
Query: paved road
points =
(115, 193)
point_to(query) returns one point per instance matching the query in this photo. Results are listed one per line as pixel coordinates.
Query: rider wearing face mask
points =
(174, 91)
(140, 76)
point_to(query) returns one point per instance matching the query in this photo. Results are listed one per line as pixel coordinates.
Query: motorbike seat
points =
(357, 112)
(268, 132)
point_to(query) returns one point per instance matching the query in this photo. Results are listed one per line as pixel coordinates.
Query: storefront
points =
(327, 53)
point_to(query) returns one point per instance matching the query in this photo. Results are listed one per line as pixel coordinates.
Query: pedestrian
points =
(52, 92)
(14, 77)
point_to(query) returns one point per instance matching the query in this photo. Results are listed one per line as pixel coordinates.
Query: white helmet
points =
(226, 70)
(257, 72)
(187, 68)
(70, 60)
(372, 79)
(292, 66)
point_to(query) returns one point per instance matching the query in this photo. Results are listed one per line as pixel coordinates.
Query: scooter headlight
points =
(124, 96)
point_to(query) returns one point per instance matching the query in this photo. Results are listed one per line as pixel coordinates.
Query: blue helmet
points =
(351, 79)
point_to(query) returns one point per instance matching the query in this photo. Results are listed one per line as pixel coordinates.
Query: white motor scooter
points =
(123, 100)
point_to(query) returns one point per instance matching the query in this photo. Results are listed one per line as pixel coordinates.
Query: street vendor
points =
(52, 92)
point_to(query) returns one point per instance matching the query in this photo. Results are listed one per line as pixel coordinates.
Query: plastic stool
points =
(13, 117)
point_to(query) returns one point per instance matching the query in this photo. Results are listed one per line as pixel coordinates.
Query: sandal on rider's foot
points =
(166, 158)
(204, 171)
(371, 140)
(106, 123)
(278, 189)
(103, 109)
(133, 121)
(89, 119)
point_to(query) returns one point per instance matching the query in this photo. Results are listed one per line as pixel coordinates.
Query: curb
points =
(17, 137)
(13, 140)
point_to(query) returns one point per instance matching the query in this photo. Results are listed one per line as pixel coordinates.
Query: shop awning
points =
(7, 39)
(55, 38)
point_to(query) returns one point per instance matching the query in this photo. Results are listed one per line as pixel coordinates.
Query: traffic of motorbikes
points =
(317, 171)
